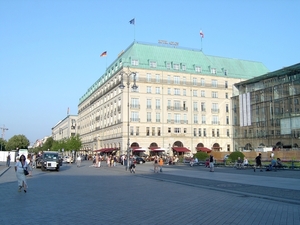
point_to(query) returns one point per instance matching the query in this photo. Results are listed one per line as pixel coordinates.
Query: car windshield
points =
(51, 156)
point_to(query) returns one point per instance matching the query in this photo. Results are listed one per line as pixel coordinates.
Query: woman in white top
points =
(19, 168)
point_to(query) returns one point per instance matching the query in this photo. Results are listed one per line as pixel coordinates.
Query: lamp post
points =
(134, 87)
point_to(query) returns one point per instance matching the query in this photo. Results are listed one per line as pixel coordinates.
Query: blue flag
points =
(132, 21)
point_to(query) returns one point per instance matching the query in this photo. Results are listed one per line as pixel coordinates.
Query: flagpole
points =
(134, 31)
(201, 44)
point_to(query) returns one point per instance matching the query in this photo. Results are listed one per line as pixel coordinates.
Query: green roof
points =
(163, 54)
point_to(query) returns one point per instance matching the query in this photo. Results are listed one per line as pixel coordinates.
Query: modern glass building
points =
(266, 111)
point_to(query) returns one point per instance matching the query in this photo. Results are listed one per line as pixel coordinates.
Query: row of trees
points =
(21, 142)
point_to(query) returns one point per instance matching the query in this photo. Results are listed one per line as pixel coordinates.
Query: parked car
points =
(68, 159)
(139, 160)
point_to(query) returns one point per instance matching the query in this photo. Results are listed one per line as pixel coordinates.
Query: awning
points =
(106, 150)
(138, 149)
(203, 149)
(158, 150)
(181, 149)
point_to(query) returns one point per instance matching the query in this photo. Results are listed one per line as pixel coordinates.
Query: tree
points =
(48, 144)
(3, 144)
(17, 142)
(73, 143)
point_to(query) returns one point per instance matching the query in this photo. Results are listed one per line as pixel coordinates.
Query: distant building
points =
(182, 101)
(266, 111)
(65, 128)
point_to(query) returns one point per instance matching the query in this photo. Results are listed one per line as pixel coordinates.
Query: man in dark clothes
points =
(258, 162)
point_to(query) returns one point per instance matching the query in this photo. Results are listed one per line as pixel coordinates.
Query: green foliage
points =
(68, 144)
(201, 156)
(48, 144)
(3, 144)
(17, 142)
(234, 156)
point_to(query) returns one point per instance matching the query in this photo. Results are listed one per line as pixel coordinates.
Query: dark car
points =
(139, 160)
(50, 161)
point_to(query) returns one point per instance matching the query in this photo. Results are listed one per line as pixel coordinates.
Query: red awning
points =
(181, 149)
(106, 150)
(157, 150)
(203, 149)
(138, 149)
(152, 148)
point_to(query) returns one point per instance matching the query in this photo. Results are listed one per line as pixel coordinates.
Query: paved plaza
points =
(179, 195)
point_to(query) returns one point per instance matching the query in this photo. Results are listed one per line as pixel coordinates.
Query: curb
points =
(4, 170)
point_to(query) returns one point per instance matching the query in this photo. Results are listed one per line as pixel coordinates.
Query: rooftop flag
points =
(201, 34)
(103, 54)
(132, 21)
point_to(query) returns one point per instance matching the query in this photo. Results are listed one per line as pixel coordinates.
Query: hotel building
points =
(182, 103)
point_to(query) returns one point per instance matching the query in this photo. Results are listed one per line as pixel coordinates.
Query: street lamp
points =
(134, 87)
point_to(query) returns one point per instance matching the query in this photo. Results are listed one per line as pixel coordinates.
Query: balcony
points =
(176, 108)
(134, 119)
(215, 110)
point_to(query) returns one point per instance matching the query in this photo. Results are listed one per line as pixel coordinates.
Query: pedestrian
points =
(8, 160)
(161, 163)
(258, 162)
(108, 161)
(211, 163)
(78, 161)
(99, 160)
(132, 164)
(34, 160)
(155, 164)
(20, 166)
(111, 161)
(29, 165)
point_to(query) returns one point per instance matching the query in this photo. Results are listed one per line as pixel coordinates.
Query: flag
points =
(103, 54)
(132, 21)
(201, 34)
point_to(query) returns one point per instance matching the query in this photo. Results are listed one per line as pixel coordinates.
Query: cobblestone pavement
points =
(179, 195)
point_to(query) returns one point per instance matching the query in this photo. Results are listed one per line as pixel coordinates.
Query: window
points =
(147, 131)
(169, 79)
(183, 67)
(176, 66)
(157, 76)
(195, 106)
(184, 81)
(176, 91)
(148, 77)
(226, 95)
(228, 133)
(215, 119)
(157, 90)
(215, 108)
(204, 132)
(198, 69)
(199, 132)
(148, 116)
(148, 103)
(227, 120)
(137, 132)
(131, 130)
(177, 105)
(227, 108)
(134, 62)
(157, 103)
(148, 89)
(214, 83)
(135, 103)
(195, 132)
(195, 118)
(184, 92)
(153, 64)
(184, 130)
(177, 118)
(213, 132)
(169, 103)
(169, 91)
(153, 131)
(169, 129)
(214, 94)
(158, 131)
(213, 70)
(202, 82)
(226, 84)
(203, 119)
(168, 65)
(202, 93)
(135, 116)
(176, 80)
(195, 93)
(194, 81)
(157, 117)
(203, 109)
(176, 130)
(218, 133)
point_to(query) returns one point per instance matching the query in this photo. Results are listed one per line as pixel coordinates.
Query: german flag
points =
(103, 54)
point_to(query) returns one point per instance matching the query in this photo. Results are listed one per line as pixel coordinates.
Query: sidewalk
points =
(4, 168)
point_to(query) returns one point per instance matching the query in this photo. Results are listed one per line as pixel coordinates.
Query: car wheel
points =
(43, 168)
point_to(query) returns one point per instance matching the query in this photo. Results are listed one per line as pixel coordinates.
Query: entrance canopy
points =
(181, 149)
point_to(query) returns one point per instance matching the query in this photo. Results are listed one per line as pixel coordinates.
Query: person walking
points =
(78, 161)
(20, 166)
(211, 163)
(155, 164)
(258, 162)
(161, 163)
(8, 160)
(132, 164)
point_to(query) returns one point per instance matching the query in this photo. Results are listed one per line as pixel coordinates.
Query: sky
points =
(50, 49)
